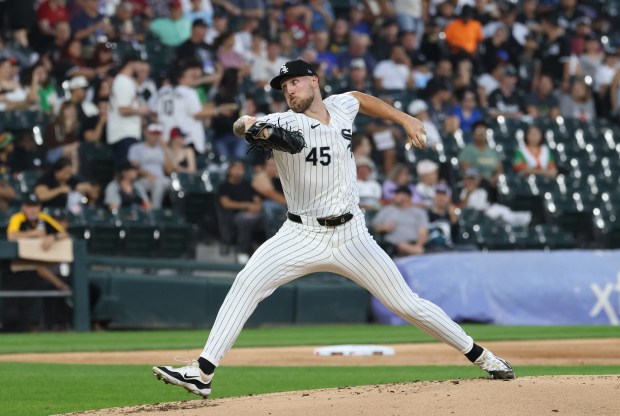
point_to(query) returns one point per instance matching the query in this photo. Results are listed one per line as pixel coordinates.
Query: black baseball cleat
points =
(497, 368)
(190, 377)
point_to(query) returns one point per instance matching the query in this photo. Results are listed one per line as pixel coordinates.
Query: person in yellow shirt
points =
(30, 222)
(464, 33)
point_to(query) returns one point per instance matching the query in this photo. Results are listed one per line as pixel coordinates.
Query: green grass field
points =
(43, 389)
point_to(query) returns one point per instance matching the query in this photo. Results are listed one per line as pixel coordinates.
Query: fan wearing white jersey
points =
(325, 230)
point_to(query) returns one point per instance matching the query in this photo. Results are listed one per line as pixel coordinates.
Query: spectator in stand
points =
(62, 136)
(443, 220)
(124, 125)
(604, 77)
(182, 157)
(542, 102)
(49, 14)
(432, 45)
(464, 33)
(369, 189)
(7, 193)
(579, 103)
(220, 25)
(245, 36)
(27, 155)
(357, 21)
(146, 87)
(398, 176)
(472, 195)
(195, 48)
(405, 226)
(410, 16)
(358, 79)
(239, 211)
(297, 20)
(199, 9)
(242, 8)
(529, 64)
(494, 47)
(181, 106)
(362, 147)
(387, 38)
(615, 98)
(228, 101)
(340, 36)
(86, 110)
(428, 177)
(507, 100)
(516, 31)
(174, 29)
(267, 184)
(489, 82)
(569, 14)
(41, 89)
(153, 164)
(54, 187)
(479, 155)
(555, 52)
(463, 77)
(443, 75)
(440, 104)
(419, 109)
(591, 58)
(467, 113)
(326, 58)
(446, 13)
(88, 25)
(102, 60)
(267, 67)
(13, 96)
(126, 27)
(322, 14)
(71, 62)
(533, 157)
(395, 72)
(358, 48)
(62, 35)
(30, 222)
(228, 58)
(125, 191)
(528, 15)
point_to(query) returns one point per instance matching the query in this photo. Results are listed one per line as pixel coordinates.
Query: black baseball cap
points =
(292, 69)
(31, 200)
(199, 22)
(403, 189)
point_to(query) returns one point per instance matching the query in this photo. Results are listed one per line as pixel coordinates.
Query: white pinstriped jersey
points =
(320, 181)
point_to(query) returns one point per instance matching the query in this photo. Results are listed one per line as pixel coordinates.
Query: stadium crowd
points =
(118, 104)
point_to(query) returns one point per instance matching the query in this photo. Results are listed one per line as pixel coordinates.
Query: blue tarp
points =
(568, 287)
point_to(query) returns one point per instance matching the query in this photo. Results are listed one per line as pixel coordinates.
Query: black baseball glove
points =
(267, 136)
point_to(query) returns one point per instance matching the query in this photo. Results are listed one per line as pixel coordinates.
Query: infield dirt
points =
(564, 395)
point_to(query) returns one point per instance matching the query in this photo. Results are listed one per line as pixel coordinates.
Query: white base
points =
(354, 350)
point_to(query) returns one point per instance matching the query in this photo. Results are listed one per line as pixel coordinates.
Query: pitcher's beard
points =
(300, 105)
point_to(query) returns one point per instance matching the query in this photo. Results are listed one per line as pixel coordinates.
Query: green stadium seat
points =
(175, 235)
(138, 233)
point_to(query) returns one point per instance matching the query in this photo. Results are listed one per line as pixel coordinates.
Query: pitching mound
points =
(567, 395)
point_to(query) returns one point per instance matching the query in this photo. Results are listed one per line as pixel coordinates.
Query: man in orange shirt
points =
(464, 33)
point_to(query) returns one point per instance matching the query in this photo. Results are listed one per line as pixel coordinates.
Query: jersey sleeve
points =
(347, 103)
(15, 222)
(287, 119)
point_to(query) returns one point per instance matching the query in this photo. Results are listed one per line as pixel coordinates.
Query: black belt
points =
(326, 222)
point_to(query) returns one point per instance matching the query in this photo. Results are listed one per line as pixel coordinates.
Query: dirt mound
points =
(567, 395)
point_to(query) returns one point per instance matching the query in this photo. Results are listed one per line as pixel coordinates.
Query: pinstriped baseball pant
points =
(349, 250)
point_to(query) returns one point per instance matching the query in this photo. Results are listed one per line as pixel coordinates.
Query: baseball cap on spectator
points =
(78, 82)
(443, 188)
(290, 69)
(154, 128)
(31, 200)
(611, 51)
(358, 63)
(124, 166)
(177, 132)
(417, 107)
(472, 173)
(363, 161)
(507, 7)
(583, 20)
(199, 22)
(420, 59)
(503, 55)
(426, 166)
(5, 139)
(403, 189)
(173, 4)
(10, 59)
(509, 70)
